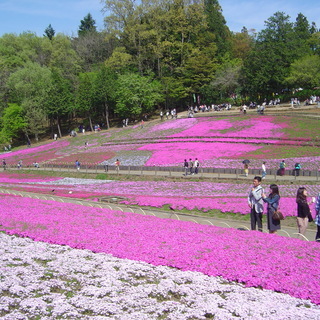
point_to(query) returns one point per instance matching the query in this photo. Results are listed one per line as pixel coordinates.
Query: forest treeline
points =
(151, 55)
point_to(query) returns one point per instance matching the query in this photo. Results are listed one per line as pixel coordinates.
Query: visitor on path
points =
(161, 115)
(4, 164)
(19, 164)
(86, 145)
(196, 166)
(244, 109)
(264, 170)
(317, 218)
(282, 168)
(255, 203)
(55, 137)
(273, 204)
(297, 168)
(77, 163)
(303, 210)
(142, 124)
(185, 166)
(117, 164)
(191, 166)
(105, 166)
(36, 165)
(246, 169)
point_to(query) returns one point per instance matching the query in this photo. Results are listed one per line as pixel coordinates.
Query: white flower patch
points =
(47, 282)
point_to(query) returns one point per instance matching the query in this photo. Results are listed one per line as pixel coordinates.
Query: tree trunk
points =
(59, 127)
(107, 115)
(51, 126)
(90, 122)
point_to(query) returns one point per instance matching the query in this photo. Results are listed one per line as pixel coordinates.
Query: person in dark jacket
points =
(273, 204)
(304, 214)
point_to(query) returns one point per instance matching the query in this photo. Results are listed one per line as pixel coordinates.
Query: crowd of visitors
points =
(206, 108)
(257, 197)
(191, 167)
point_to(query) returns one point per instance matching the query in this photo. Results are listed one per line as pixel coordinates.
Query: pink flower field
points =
(216, 142)
(259, 260)
(204, 196)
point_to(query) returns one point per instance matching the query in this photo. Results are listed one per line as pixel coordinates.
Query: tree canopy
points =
(151, 54)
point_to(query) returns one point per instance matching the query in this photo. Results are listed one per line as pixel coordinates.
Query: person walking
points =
(255, 203)
(191, 166)
(4, 164)
(264, 170)
(317, 219)
(20, 164)
(303, 210)
(282, 168)
(273, 204)
(196, 165)
(297, 168)
(117, 164)
(246, 169)
(105, 166)
(185, 166)
(77, 163)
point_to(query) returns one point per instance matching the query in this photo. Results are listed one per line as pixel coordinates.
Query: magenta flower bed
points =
(226, 197)
(39, 153)
(254, 127)
(164, 154)
(260, 260)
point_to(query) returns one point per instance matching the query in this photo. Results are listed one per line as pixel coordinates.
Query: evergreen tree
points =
(49, 32)
(87, 25)
(217, 25)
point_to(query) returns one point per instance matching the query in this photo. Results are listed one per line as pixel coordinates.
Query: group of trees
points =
(155, 54)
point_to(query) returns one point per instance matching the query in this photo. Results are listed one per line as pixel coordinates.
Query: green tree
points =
(87, 24)
(30, 86)
(85, 96)
(13, 124)
(49, 32)
(217, 25)
(60, 100)
(137, 95)
(268, 63)
(104, 92)
(305, 73)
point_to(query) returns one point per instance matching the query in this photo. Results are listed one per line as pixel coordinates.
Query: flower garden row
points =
(258, 260)
(226, 197)
(212, 152)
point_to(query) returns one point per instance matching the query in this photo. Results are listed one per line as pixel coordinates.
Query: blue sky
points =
(17, 16)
